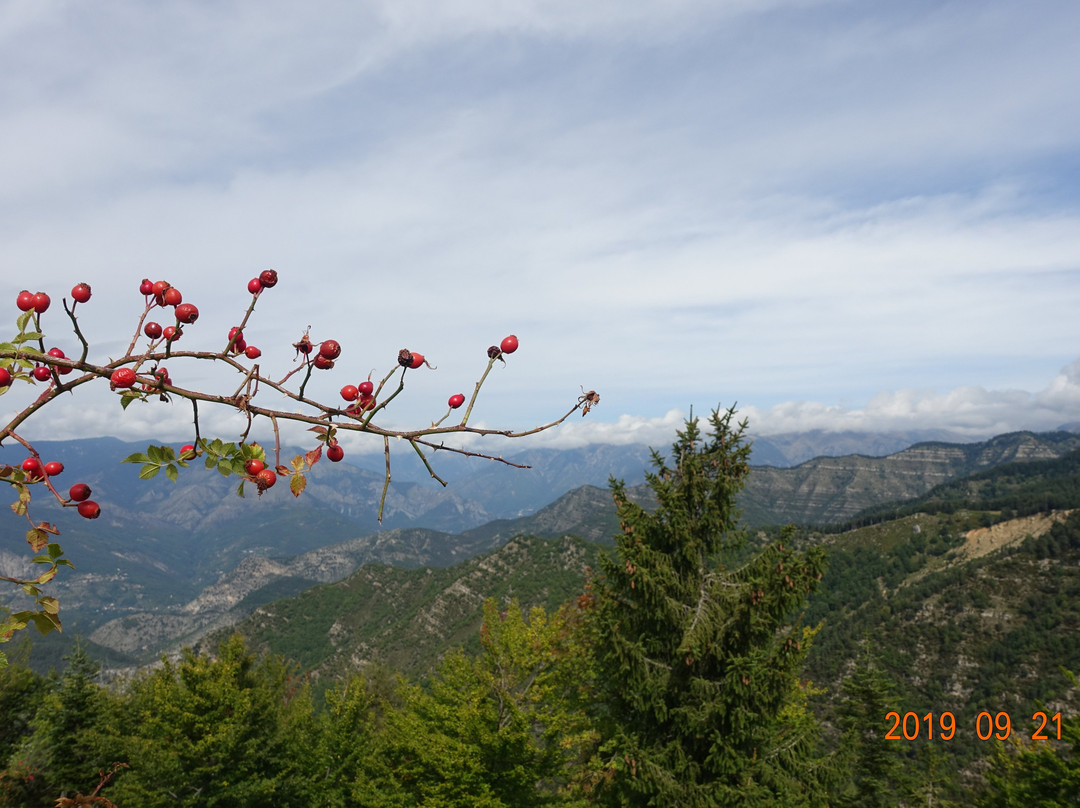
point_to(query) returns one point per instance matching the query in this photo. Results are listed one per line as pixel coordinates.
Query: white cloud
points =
(668, 202)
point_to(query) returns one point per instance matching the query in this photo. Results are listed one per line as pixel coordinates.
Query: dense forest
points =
(698, 666)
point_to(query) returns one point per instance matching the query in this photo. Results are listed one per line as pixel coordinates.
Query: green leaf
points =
(148, 472)
(156, 454)
(223, 469)
(138, 457)
(240, 490)
(50, 605)
(24, 318)
(297, 484)
(171, 472)
(45, 623)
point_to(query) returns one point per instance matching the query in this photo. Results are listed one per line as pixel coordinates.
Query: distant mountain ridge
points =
(168, 562)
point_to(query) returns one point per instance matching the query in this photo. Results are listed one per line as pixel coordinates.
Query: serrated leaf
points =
(138, 457)
(297, 462)
(129, 396)
(28, 335)
(217, 446)
(19, 508)
(211, 461)
(148, 471)
(240, 490)
(171, 472)
(318, 430)
(156, 454)
(223, 469)
(55, 550)
(24, 318)
(37, 538)
(313, 456)
(297, 484)
(49, 605)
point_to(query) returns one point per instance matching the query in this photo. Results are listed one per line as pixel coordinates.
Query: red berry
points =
(54, 467)
(158, 291)
(251, 352)
(322, 363)
(171, 333)
(89, 509)
(187, 451)
(186, 312)
(334, 453)
(152, 330)
(31, 466)
(365, 403)
(417, 360)
(162, 375)
(5, 377)
(42, 373)
(122, 377)
(350, 392)
(366, 388)
(255, 286)
(41, 302)
(330, 348)
(79, 492)
(63, 370)
(266, 479)
(172, 296)
(25, 300)
(80, 292)
(146, 287)
(509, 344)
(240, 346)
(254, 466)
(456, 401)
(268, 278)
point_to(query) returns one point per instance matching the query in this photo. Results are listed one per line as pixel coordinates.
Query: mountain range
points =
(168, 562)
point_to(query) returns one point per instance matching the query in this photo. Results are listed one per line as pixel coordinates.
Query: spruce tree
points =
(697, 658)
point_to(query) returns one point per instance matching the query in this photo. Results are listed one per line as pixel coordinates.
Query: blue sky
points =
(838, 214)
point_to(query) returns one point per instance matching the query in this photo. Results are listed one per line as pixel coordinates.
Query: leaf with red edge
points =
(37, 538)
(297, 484)
(313, 456)
(318, 430)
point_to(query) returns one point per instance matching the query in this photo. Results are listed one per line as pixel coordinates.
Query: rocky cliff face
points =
(829, 489)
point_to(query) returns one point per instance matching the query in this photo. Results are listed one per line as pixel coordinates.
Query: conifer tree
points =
(697, 660)
(869, 694)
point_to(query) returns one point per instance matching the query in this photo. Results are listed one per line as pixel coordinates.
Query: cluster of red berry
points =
(361, 397)
(80, 492)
